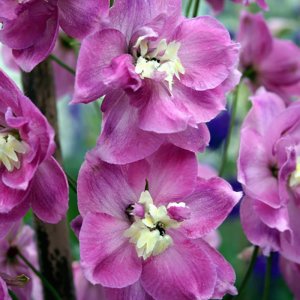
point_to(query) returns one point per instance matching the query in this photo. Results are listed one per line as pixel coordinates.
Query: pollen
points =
(149, 233)
(159, 62)
(295, 176)
(10, 150)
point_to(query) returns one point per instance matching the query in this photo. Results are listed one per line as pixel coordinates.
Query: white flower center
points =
(10, 147)
(295, 176)
(148, 233)
(161, 62)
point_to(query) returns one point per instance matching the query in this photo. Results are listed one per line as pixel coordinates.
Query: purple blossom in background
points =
(29, 175)
(270, 174)
(131, 235)
(30, 27)
(164, 76)
(218, 128)
(266, 61)
(218, 5)
(12, 269)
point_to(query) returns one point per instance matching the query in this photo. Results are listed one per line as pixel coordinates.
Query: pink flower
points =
(119, 248)
(163, 77)
(64, 80)
(29, 175)
(30, 27)
(269, 170)
(291, 274)
(14, 271)
(218, 5)
(267, 61)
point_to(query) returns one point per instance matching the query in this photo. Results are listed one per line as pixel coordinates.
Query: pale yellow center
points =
(295, 176)
(10, 147)
(163, 59)
(149, 234)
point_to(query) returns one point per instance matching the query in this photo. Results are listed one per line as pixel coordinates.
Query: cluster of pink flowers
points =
(148, 211)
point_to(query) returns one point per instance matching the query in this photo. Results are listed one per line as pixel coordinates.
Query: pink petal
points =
(96, 53)
(172, 175)
(164, 279)
(28, 58)
(109, 188)
(49, 192)
(107, 257)
(256, 231)
(206, 52)
(210, 204)
(79, 20)
(121, 140)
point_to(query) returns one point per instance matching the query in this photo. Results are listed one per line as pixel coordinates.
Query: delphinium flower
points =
(140, 218)
(63, 79)
(269, 170)
(164, 76)
(29, 175)
(291, 274)
(30, 27)
(13, 270)
(269, 62)
(218, 5)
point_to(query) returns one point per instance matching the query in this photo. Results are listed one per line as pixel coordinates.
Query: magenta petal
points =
(28, 58)
(172, 175)
(121, 141)
(79, 20)
(107, 257)
(217, 5)
(132, 292)
(3, 290)
(254, 52)
(255, 173)
(27, 27)
(16, 213)
(164, 279)
(109, 188)
(257, 232)
(10, 197)
(96, 54)
(225, 272)
(49, 192)
(210, 204)
(192, 139)
(206, 52)
(129, 15)
(4, 229)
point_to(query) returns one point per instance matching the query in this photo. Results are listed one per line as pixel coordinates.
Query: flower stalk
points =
(52, 239)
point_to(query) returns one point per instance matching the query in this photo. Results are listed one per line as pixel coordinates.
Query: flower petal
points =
(107, 257)
(207, 53)
(49, 192)
(172, 175)
(210, 204)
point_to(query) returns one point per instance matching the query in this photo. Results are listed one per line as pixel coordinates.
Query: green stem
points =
(188, 8)
(72, 183)
(62, 64)
(247, 275)
(13, 295)
(196, 8)
(229, 135)
(268, 274)
(46, 283)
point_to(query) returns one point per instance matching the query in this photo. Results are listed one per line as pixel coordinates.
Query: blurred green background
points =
(80, 126)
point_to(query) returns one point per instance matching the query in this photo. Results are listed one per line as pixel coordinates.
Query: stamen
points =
(10, 147)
